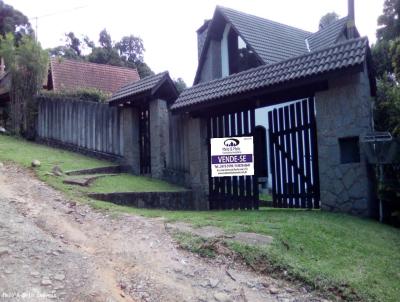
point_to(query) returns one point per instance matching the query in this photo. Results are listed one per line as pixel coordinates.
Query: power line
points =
(53, 14)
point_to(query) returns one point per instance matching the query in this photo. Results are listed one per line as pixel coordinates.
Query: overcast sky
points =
(168, 28)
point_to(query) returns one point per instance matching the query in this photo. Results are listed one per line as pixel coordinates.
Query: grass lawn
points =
(359, 257)
(23, 152)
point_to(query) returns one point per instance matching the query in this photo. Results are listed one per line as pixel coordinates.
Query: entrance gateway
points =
(293, 159)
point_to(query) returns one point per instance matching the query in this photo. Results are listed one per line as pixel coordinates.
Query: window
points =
(240, 56)
(349, 150)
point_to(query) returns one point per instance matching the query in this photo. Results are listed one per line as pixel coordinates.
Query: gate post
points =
(198, 160)
(344, 114)
(159, 136)
(130, 138)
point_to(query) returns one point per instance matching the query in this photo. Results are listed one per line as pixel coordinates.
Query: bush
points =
(84, 94)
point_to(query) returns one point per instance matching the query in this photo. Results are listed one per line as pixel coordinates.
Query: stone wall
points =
(130, 138)
(159, 137)
(198, 161)
(181, 200)
(343, 111)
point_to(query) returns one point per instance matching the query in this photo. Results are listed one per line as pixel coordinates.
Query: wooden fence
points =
(83, 124)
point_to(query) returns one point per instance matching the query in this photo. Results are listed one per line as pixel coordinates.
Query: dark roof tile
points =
(337, 57)
(146, 86)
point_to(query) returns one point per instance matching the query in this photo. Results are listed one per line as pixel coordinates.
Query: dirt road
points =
(52, 249)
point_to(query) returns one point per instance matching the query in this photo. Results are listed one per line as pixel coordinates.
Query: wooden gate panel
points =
(294, 156)
(232, 192)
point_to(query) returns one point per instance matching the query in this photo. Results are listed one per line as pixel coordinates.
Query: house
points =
(257, 72)
(304, 98)
(65, 74)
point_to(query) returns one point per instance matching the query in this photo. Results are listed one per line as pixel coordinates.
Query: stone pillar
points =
(198, 161)
(344, 111)
(130, 137)
(159, 136)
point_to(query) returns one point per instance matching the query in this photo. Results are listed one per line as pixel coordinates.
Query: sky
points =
(168, 28)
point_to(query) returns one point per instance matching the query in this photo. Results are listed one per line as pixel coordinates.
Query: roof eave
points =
(269, 90)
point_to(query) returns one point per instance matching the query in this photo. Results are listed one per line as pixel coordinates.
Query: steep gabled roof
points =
(272, 41)
(72, 74)
(159, 85)
(339, 57)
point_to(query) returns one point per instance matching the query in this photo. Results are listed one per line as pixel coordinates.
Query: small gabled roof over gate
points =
(157, 86)
(312, 66)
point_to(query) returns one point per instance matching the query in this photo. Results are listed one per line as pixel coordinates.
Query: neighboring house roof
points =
(271, 41)
(339, 57)
(159, 85)
(72, 74)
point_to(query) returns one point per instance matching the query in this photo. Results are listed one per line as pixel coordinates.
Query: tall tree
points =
(131, 49)
(27, 63)
(389, 21)
(13, 21)
(328, 19)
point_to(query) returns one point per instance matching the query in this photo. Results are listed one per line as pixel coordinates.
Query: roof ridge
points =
(90, 63)
(144, 79)
(365, 38)
(263, 18)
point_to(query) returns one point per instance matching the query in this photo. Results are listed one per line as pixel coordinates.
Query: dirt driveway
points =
(52, 249)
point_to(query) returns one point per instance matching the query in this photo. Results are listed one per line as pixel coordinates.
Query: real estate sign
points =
(232, 156)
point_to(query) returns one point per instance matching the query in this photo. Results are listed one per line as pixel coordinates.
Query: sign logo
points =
(231, 142)
(232, 156)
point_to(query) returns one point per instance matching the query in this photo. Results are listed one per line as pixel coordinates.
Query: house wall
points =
(345, 110)
(212, 65)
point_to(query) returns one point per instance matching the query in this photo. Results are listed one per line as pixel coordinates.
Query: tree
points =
(180, 84)
(105, 40)
(131, 49)
(328, 19)
(27, 63)
(389, 22)
(13, 21)
(74, 43)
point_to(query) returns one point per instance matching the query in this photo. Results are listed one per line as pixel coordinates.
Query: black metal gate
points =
(237, 192)
(294, 156)
(144, 140)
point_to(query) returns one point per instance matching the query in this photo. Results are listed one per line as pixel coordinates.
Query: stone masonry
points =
(130, 138)
(345, 110)
(159, 136)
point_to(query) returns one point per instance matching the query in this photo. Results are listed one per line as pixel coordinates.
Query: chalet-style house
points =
(304, 97)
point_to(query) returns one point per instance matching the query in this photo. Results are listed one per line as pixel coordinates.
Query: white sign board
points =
(232, 156)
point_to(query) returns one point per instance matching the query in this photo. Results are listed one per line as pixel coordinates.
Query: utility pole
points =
(53, 14)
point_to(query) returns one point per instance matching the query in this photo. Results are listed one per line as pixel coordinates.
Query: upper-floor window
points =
(236, 55)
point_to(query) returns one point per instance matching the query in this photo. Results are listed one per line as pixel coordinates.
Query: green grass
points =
(131, 183)
(359, 257)
(24, 152)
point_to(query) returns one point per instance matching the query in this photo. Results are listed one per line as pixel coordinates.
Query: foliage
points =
(13, 21)
(85, 94)
(389, 22)
(327, 19)
(180, 84)
(27, 63)
(387, 107)
(386, 57)
(128, 52)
